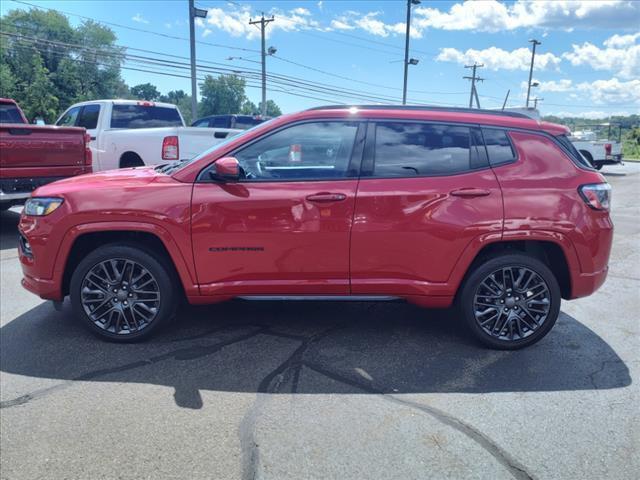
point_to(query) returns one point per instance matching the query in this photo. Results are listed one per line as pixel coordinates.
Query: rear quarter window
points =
(144, 116)
(499, 148)
(571, 150)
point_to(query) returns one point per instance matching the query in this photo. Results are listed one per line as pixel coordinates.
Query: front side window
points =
(89, 117)
(318, 150)
(69, 118)
(498, 146)
(416, 149)
(144, 116)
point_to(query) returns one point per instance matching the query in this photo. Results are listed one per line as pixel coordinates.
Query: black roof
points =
(504, 113)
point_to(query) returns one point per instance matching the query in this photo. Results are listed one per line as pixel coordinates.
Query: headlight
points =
(39, 206)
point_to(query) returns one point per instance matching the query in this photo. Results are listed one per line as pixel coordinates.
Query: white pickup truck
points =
(130, 133)
(600, 144)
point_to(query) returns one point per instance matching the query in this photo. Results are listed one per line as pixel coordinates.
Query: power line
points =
(282, 79)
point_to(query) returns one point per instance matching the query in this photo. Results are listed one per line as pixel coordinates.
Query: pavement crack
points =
(515, 468)
(603, 365)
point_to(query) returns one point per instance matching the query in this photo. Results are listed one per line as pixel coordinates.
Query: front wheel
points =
(510, 301)
(122, 294)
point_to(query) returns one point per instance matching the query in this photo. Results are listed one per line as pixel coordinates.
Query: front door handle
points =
(470, 192)
(325, 197)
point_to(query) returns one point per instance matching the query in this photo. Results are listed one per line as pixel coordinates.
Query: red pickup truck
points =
(33, 155)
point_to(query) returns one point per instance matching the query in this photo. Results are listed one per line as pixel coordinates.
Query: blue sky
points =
(588, 63)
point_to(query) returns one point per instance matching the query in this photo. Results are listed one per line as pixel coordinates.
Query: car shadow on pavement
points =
(9, 229)
(308, 348)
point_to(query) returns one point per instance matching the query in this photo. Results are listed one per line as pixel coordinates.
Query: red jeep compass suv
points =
(492, 210)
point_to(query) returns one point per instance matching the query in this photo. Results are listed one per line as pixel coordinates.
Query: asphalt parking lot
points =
(325, 390)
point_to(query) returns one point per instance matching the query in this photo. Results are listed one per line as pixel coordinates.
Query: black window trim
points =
(353, 168)
(369, 159)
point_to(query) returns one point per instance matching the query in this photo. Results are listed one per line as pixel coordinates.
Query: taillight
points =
(170, 149)
(607, 148)
(88, 155)
(596, 195)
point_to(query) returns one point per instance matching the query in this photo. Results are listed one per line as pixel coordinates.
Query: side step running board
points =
(315, 298)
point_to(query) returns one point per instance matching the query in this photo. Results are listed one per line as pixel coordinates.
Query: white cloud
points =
(495, 58)
(341, 23)
(600, 92)
(236, 22)
(300, 11)
(493, 16)
(621, 55)
(621, 41)
(612, 91)
(138, 18)
(320, 4)
(564, 85)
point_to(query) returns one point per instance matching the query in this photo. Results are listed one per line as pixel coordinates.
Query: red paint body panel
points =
(284, 242)
(408, 237)
(409, 233)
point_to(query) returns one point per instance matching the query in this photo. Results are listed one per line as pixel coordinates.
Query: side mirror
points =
(226, 169)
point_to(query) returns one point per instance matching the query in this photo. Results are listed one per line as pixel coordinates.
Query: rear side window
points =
(414, 149)
(88, 117)
(499, 146)
(220, 122)
(9, 114)
(69, 118)
(573, 152)
(144, 116)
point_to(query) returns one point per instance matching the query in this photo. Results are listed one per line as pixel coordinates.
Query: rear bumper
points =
(21, 188)
(587, 283)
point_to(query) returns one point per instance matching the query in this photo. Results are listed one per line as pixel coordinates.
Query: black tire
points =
(598, 166)
(589, 158)
(521, 322)
(134, 261)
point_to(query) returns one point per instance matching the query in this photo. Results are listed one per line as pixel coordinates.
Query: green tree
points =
(222, 95)
(8, 83)
(273, 110)
(182, 101)
(40, 101)
(249, 108)
(145, 91)
(81, 63)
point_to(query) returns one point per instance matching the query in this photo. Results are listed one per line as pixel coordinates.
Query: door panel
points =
(409, 231)
(283, 229)
(269, 238)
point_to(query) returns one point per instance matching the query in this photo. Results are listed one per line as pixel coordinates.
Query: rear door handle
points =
(325, 197)
(470, 192)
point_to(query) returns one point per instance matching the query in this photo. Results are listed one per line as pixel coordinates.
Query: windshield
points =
(218, 146)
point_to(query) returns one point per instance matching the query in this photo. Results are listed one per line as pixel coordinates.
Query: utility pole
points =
(193, 13)
(535, 102)
(533, 56)
(474, 79)
(408, 62)
(263, 24)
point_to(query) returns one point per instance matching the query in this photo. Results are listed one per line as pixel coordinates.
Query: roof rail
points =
(503, 113)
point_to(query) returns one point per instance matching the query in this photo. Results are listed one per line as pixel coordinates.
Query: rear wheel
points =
(510, 301)
(123, 294)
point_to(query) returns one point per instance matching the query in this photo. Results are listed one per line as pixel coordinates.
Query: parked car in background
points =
(600, 144)
(491, 210)
(130, 133)
(238, 122)
(34, 155)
